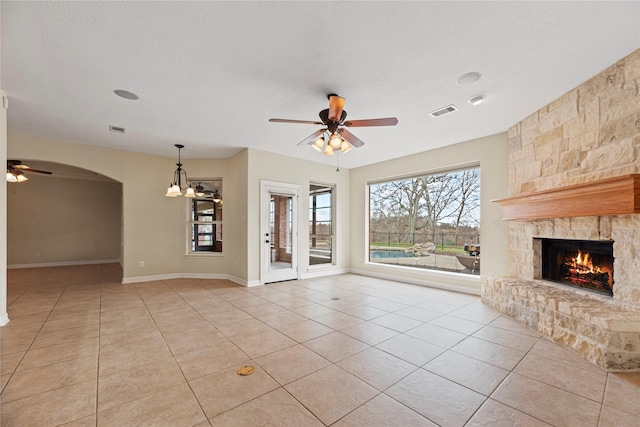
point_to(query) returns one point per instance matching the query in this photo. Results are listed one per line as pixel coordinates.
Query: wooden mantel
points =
(612, 196)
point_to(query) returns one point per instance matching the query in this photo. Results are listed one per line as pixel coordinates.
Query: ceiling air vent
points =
(116, 129)
(442, 111)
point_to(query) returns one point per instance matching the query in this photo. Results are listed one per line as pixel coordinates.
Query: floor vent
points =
(444, 110)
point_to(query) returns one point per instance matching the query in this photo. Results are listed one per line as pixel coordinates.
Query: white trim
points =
(204, 254)
(475, 290)
(140, 279)
(325, 272)
(159, 277)
(65, 263)
(4, 319)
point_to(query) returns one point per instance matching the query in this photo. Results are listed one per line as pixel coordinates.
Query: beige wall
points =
(60, 220)
(235, 226)
(3, 217)
(491, 154)
(273, 167)
(154, 227)
(209, 264)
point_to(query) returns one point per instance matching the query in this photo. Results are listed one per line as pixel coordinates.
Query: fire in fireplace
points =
(585, 264)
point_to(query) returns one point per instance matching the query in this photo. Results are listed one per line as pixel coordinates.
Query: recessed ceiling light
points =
(125, 94)
(469, 78)
(477, 99)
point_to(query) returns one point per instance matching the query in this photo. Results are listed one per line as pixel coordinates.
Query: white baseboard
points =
(157, 277)
(64, 263)
(420, 282)
(324, 272)
(4, 319)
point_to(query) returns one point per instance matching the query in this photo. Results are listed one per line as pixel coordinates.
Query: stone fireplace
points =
(574, 175)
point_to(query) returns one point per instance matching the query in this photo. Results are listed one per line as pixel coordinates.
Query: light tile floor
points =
(81, 349)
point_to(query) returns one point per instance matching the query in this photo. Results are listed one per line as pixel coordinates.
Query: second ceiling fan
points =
(334, 136)
(16, 169)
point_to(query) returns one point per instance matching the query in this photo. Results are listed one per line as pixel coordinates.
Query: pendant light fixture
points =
(180, 180)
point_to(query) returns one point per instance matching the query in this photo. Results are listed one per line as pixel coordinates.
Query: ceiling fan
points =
(16, 169)
(334, 136)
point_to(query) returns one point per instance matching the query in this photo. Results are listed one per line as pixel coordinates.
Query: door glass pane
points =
(320, 224)
(281, 231)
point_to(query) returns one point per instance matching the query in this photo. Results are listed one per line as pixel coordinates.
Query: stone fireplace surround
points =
(602, 329)
(590, 134)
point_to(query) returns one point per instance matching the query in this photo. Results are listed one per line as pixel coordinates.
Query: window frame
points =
(331, 189)
(191, 223)
(423, 174)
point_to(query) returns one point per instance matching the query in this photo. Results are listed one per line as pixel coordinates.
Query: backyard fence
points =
(441, 240)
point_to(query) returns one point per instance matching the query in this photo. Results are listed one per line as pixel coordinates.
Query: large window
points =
(430, 221)
(205, 222)
(320, 224)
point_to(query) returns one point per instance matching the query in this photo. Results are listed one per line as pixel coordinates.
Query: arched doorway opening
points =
(73, 216)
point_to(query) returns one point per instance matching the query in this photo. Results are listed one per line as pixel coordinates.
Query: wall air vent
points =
(116, 129)
(444, 110)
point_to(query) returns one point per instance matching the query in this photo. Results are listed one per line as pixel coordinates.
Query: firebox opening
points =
(584, 264)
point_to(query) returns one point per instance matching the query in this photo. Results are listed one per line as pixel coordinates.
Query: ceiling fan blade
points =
(389, 121)
(336, 104)
(37, 171)
(351, 138)
(312, 137)
(305, 122)
(21, 166)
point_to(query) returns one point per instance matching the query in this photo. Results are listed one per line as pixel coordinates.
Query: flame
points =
(584, 264)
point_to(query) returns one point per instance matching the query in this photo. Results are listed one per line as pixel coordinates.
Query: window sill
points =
(321, 266)
(204, 255)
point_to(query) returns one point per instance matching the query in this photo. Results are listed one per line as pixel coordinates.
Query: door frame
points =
(266, 189)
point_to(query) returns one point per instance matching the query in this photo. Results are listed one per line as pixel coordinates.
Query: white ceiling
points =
(210, 74)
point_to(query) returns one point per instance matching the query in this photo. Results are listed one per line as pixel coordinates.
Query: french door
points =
(279, 231)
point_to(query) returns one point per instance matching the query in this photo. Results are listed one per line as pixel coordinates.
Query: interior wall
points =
(491, 154)
(154, 226)
(235, 226)
(213, 264)
(273, 167)
(63, 220)
(4, 318)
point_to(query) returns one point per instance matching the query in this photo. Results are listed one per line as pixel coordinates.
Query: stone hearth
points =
(602, 330)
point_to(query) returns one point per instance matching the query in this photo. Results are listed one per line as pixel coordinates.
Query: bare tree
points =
(408, 205)
(468, 183)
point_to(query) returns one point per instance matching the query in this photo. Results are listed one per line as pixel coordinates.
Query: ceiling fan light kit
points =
(16, 176)
(335, 138)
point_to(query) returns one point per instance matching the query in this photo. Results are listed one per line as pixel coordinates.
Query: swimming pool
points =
(375, 253)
